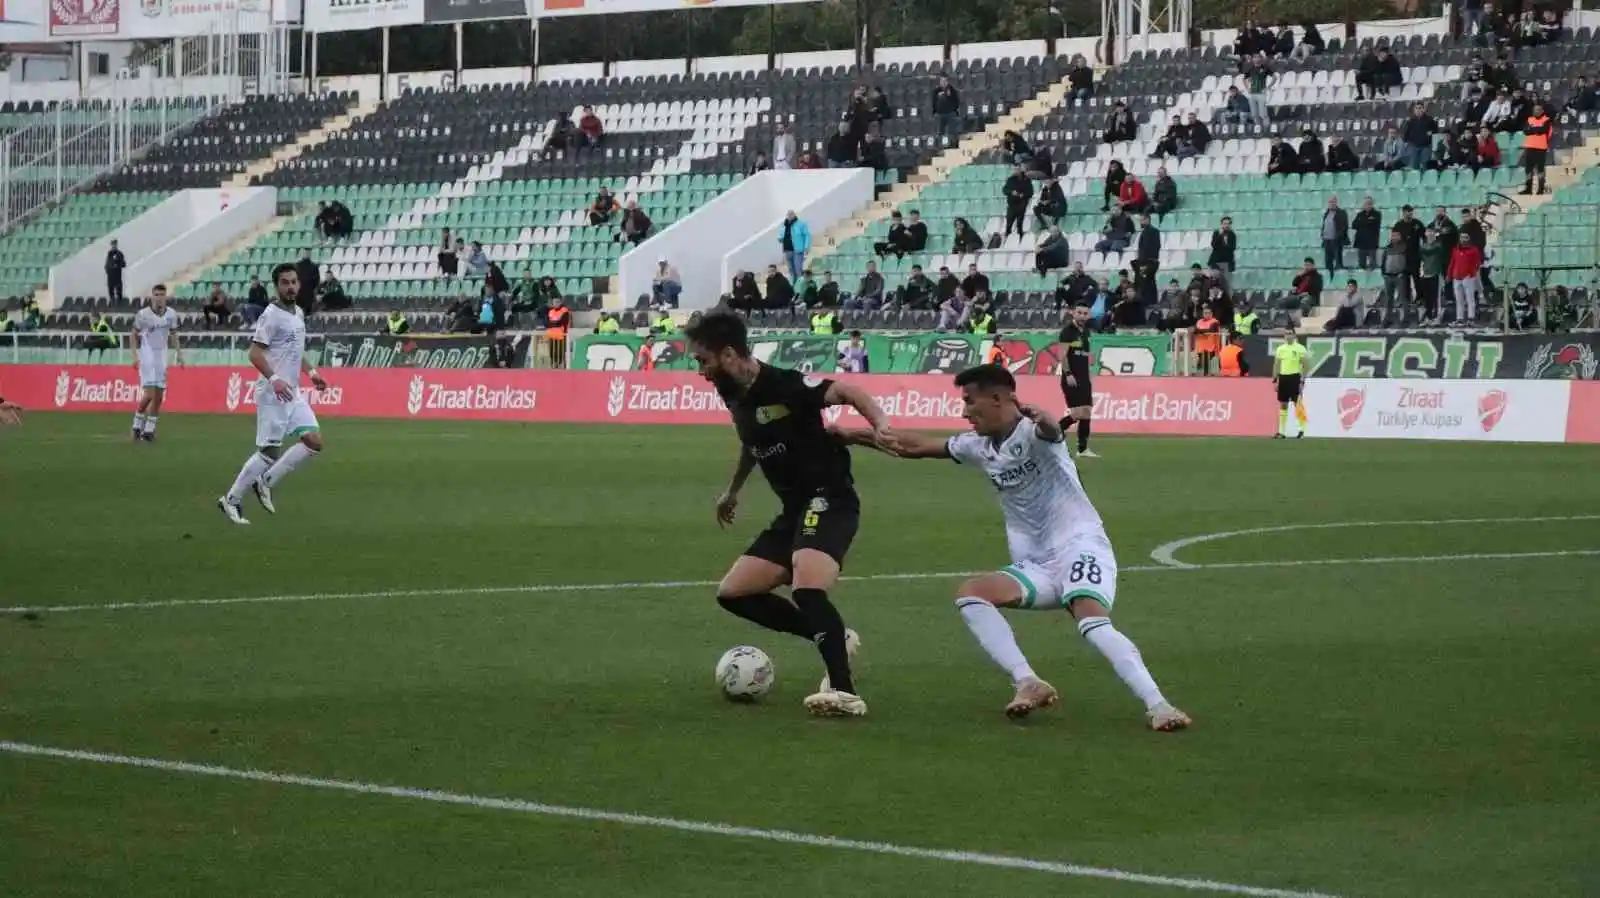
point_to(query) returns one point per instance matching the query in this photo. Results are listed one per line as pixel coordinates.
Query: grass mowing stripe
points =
(520, 806)
(446, 592)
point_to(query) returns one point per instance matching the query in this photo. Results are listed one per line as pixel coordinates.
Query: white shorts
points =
(276, 419)
(1087, 569)
(153, 373)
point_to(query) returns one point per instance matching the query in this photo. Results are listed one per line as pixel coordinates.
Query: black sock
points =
(1083, 434)
(1065, 424)
(770, 611)
(828, 628)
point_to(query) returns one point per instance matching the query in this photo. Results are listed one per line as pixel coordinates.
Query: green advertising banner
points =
(1029, 353)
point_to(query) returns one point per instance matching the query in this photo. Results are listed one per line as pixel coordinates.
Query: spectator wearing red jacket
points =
(1465, 261)
(591, 127)
(1488, 150)
(1132, 195)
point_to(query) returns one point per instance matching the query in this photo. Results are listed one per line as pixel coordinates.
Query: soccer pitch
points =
(475, 660)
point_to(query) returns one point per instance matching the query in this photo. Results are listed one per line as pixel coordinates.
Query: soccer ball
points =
(744, 673)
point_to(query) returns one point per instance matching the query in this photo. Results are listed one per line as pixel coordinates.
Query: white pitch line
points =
(788, 837)
(1165, 555)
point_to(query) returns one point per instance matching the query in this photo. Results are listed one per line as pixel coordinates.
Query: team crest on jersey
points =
(1015, 450)
(811, 380)
(818, 505)
(767, 414)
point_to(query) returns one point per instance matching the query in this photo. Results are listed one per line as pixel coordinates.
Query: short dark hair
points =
(855, 333)
(159, 288)
(280, 269)
(988, 377)
(717, 331)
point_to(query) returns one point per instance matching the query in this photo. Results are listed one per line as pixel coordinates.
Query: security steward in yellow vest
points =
(101, 337)
(826, 323)
(663, 324)
(396, 324)
(607, 325)
(1246, 321)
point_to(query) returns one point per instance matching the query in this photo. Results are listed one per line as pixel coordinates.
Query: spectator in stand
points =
(1536, 131)
(216, 306)
(853, 357)
(1165, 197)
(1341, 158)
(1313, 161)
(115, 263)
(1435, 259)
(1471, 17)
(745, 295)
(449, 260)
(331, 296)
(1042, 166)
(1498, 115)
(1149, 255)
(1018, 192)
(1449, 234)
(1306, 291)
(1488, 150)
(1283, 159)
(1258, 75)
(1391, 153)
(1367, 75)
(947, 284)
(1368, 227)
(1017, 148)
(255, 302)
(1465, 262)
(919, 291)
(967, 241)
(1120, 125)
(1396, 294)
(1582, 97)
(1224, 246)
(809, 161)
(1472, 230)
(1051, 206)
(1389, 76)
(783, 148)
(759, 165)
(844, 148)
(1335, 235)
(882, 109)
(1053, 252)
(828, 295)
(976, 283)
(1080, 80)
(1524, 309)
(869, 294)
(954, 312)
(1115, 175)
(636, 225)
(564, 135)
(1348, 314)
(805, 290)
(1411, 229)
(603, 207)
(591, 130)
(1117, 233)
(1284, 45)
(1189, 138)
(780, 293)
(311, 278)
(666, 285)
(1132, 196)
(947, 108)
(1237, 109)
(1417, 133)
(477, 261)
(874, 152)
(333, 220)
(1311, 42)
(895, 241)
(1075, 289)
(794, 239)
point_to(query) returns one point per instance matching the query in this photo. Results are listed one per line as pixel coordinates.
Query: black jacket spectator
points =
(919, 291)
(310, 280)
(974, 283)
(946, 100)
(967, 240)
(1018, 191)
(1052, 202)
(1164, 198)
(1120, 125)
(1284, 160)
(1419, 128)
(745, 294)
(1341, 158)
(1368, 227)
(1312, 158)
(1075, 288)
(1223, 246)
(1081, 80)
(947, 284)
(1115, 175)
(916, 234)
(844, 149)
(780, 292)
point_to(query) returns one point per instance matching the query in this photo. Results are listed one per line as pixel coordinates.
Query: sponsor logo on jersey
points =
(1014, 476)
(767, 414)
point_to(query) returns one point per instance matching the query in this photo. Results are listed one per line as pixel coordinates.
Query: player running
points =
(1288, 367)
(155, 329)
(778, 416)
(277, 351)
(1061, 556)
(1075, 384)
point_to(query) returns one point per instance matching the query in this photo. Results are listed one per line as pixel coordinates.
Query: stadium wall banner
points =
(1140, 405)
(360, 15)
(463, 351)
(1519, 411)
(608, 7)
(1030, 353)
(76, 20)
(1583, 413)
(436, 11)
(1446, 356)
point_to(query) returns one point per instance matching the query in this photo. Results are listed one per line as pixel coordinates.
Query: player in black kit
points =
(1075, 378)
(778, 415)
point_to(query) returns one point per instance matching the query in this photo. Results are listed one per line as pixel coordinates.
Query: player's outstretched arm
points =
(1044, 425)
(900, 444)
(840, 393)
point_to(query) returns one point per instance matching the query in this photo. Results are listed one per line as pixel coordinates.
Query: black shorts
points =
(826, 525)
(448, 263)
(1288, 387)
(1080, 395)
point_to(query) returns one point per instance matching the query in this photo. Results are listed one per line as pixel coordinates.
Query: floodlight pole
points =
(1126, 26)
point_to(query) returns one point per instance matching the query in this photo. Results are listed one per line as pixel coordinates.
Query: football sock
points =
(149, 425)
(253, 468)
(138, 422)
(1283, 417)
(293, 457)
(767, 610)
(1065, 423)
(1083, 434)
(1300, 412)
(1124, 657)
(989, 627)
(827, 629)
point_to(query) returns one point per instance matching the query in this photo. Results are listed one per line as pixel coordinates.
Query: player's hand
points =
(727, 508)
(319, 382)
(1071, 381)
(283, 389)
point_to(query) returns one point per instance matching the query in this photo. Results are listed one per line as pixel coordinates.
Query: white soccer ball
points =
(744, 673)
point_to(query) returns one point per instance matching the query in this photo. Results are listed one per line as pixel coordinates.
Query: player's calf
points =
(814, 574)
(1094, 624)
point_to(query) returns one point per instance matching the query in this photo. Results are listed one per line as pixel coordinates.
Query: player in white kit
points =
(277, 351)
(155, 329)
(1061, 557)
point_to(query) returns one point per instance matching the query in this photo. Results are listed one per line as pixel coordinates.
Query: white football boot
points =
(1032, 694)
(1166, 719)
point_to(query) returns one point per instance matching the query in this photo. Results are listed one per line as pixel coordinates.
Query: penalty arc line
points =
(533, 808)
(648, 585)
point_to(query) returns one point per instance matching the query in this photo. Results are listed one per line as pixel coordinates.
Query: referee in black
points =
(777, 413)
(1075, 384)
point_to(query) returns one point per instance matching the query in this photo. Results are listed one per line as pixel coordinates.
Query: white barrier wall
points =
(740, 228)
(182, 231)
(1517, 411)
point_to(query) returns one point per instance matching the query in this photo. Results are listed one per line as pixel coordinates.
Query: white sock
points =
(149, 424)
(138, 422)
(292, 457)
(989, 626)
(1124, 657)
(253, 468)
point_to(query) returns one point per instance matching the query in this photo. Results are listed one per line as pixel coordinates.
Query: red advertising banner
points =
(1141, 405)
(85, 18)
(1583, 415)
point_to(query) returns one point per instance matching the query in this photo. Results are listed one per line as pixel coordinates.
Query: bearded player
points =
(1061, 556)
(155, 330)
(1075, 384)
(277, 352)
(777, 413)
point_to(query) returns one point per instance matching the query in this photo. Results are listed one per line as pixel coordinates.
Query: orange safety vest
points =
(997, 356)
(1230, 360)
(552, 330)
(647, 358)
(1537, 141)
(1208, 335)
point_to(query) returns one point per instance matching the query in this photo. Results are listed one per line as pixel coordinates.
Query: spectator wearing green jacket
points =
(1435, 256)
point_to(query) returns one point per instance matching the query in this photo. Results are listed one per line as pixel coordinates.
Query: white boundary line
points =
(788, 837)
(1163, 555)
(1166, 554)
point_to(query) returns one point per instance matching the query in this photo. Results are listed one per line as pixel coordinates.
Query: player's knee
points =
(312, 441)
(985, 589)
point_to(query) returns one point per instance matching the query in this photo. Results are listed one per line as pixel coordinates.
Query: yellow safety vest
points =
(607, 326)
(664, 324)
(822, 323)
(396, 323)
(1243, 323)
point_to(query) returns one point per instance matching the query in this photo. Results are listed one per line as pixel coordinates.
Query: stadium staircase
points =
(337, 125)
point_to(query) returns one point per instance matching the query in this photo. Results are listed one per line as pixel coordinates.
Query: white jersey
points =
(1048, 515)
(283, 332)
(155, 332)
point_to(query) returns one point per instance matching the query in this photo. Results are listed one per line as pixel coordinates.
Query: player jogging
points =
(1060, 554)
(778, 416)
(1288, 374)
(10, 413)
(277, 351)
(155, 328)
(1075, 384)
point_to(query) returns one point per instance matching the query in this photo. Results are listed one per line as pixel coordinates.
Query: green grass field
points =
(1397, 710)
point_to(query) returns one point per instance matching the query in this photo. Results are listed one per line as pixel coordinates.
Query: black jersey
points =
(779, 420)
(1075, 340)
